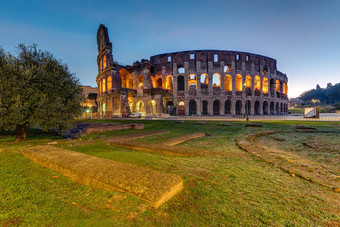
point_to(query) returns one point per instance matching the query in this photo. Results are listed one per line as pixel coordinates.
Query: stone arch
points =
(216, 107)
(180, 83)
(140, 107)
(216, 79)
(131, 99)
(277, 86)
(181, 107)
(192, 81)
(192, 107)
(272, 87)
(159, 82)
(204, 80)
(227, 107)
(169, 82)
(257, 107)
(277, 108)
(238, 82)
(272, 108)
(153, 81)
(116, 107)
(140, 80)
(109, 83)
(238, 107)
(204, 107)
(282, 111)
(248, 81)
(103, 85)
(151, 107)
(257, 83)
(247, 107)
(123, 74)
(265, 108)
(265, 85)
(228, 84)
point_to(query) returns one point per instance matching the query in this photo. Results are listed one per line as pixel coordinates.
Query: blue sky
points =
(303, 35)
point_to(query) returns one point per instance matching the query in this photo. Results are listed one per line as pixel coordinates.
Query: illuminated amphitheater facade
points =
(198, 82)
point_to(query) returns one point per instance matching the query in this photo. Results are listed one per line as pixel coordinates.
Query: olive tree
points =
(36, 90)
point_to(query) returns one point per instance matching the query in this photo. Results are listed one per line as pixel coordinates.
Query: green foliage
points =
(337, 106)
(37, 90)
(331, 94)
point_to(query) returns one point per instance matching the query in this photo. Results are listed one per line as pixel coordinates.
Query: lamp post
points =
(247, 104)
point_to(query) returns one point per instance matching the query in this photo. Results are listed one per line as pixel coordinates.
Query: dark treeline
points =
(328, 95)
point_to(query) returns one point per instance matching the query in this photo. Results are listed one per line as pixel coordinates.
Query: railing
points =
(228, 92)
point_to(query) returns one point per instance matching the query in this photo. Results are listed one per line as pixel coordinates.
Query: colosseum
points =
(191, 83)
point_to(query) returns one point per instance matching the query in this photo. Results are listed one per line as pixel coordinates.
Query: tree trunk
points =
(21, 131)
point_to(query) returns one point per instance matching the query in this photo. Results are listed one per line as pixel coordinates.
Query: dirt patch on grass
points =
(164, 149)
(147, 184)
(181, 139)
(136, 135)
(291, 163)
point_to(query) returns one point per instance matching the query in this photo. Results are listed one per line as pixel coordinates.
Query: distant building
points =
(86, 90)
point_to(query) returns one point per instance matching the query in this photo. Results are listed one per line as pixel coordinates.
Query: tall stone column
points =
(198, 107)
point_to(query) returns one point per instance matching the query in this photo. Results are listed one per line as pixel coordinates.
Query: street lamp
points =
(247, 104)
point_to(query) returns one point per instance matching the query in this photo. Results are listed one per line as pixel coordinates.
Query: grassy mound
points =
(149, 185)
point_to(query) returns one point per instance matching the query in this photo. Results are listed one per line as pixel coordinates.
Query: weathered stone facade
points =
(199, 82)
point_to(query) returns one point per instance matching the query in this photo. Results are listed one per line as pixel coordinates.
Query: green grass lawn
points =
(230, 189)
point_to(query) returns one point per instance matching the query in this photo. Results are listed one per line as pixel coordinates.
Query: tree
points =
(318, 87)
(36, 90)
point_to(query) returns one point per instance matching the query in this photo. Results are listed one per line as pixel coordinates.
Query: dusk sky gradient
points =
(303, 36)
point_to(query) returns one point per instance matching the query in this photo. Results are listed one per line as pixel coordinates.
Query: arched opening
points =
(265, 108)
(123, 74)
(153, 81)
(168, 82)
(181, 108)
(181, 70)
(272, 110)
(265, 85)
(103, 85)
(192, 82)
(216, 107)
(204, 80)
(247, 107)
(257, 83)
(109, 83)
(140, 79)
(151, 108)
(204, 110)
(116, 107)
(248, 81)
(131, 85)
(277, 108)
(104, 61)
(109, 108)
(192, 107)
(140, 108)
(227, 107)
(277, 86)
(226, 69)
(159, 82)
(238, 107)
(238, 82)
(272, 87)
(257, 108)
(216, 80)
(282, 108)
(170, 108)
(180, 83)
(228, 85)
(131, 99)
